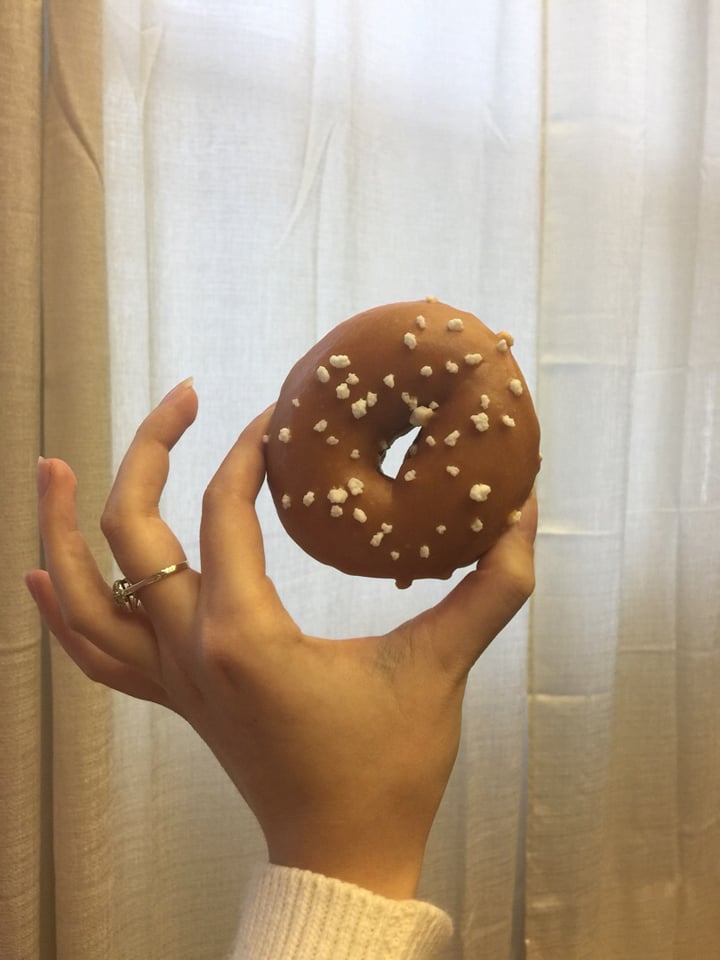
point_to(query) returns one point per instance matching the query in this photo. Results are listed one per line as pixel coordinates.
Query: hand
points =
(342, 749)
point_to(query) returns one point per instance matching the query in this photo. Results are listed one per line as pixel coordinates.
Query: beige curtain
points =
(54, 388)
(182, 179)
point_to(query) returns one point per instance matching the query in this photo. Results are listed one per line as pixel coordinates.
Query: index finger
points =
(231, 540)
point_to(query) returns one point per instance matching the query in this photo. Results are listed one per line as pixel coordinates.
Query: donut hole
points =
(397, 455)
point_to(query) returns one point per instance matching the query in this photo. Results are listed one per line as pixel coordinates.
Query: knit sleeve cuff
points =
(291, 914)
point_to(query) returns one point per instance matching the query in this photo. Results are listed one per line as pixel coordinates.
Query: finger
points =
(465, 622)
(83, 596)
(139, 538)
(94, 662)
(231, 541)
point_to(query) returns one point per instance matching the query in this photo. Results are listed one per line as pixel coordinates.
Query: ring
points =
(124, 591)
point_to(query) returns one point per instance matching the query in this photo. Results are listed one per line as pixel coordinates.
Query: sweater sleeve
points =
(290, 914)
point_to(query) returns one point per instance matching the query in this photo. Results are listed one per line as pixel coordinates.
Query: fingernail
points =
(178, 390)
(42, 475)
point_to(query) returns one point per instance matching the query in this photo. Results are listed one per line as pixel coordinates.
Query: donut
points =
(421, 366)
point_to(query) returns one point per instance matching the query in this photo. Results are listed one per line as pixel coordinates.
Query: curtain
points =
(206, 188)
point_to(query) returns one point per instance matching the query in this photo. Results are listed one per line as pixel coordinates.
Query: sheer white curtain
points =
(271, 168)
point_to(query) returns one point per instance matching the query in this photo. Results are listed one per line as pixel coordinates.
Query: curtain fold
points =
(21, 711)
(77, 429)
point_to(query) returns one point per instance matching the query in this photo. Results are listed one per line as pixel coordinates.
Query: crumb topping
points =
(371, 399)
(320, 426)
(359, 515)
(355, 486)
(453, 471)
(337, 495)
(394, 554)
(452, 438)
(342, 391)
(473, 359)
(441, 528)
(451, 366)
(515, 386)
(455, 324)
(420, 416)
(285, 435)
(508, 420)
(286, 501)
(336, 511)
(339, 360)
(425, 552)
(322, 374)
(389, 380)
(354, 454)
(477, 525)
(410, 475)
(309, 498)
(410, 341)
(481, 421)
(426, 371)
(484, 401)
(377, 539)
(421, 322)
(480, 492)
(359, 408)
(332, 441)
(430, 440)
(295, 402)
(386, 527)
(353, 379)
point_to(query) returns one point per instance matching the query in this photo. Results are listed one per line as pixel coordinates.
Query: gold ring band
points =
(125, 592)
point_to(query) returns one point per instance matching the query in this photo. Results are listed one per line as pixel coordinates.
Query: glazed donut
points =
(420, 365)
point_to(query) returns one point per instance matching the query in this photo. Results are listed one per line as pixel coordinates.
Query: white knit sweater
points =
(290, 914)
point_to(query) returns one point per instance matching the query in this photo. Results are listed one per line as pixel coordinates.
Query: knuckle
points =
(111, 523)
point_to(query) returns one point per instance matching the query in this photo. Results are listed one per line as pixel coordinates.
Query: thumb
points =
(463, 624)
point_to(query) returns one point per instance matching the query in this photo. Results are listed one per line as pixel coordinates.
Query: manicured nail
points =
(42, 475)
(178, 390)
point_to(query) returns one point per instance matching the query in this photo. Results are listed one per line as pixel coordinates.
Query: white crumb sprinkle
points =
(453, 471)
(355, 486)
(389, 380)
(451, 366)
(386, 527)
(433, 404)
(295, 402)
(508, 338)
(477, 525)
(502, 345)
(425, 371)
(412, 450)
(353, 379)
(285, 435)
(383, 445)
(508, 420)
(376, 539)
(332, 441)
(339, 360)
(309, 498)
(431, 299)
(320, 426)
(420, 416)
(441, 528)
(336, 510)
(359, 408)
(473, 359)
(410, 401)
(266, 438)
(410, 340)
(421, 322)
(430, 441)
(481, 421)
(286, 501)
(337, 495)
(322, 374)
(342, 391)
(410, 475)
(354, 454)
(394, 554)
(371, 399)
(514, 517)
(452, 438)
(425, 552)
(515, 386)
(359, 515)
(479, 492)
(455, 324)
(484, 401)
